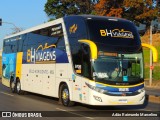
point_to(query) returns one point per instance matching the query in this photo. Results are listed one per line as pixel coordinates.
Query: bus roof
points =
(61, 20)
(35, 28)
(98, 17)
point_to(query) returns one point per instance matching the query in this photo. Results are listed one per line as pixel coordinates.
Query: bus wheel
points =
(12, 86)
(18, 88)
(65, 96)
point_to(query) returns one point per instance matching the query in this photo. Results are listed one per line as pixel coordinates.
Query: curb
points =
(153, 87)
(154, 99)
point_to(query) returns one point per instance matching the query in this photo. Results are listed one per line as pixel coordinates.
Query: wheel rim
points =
(18, 87)
(65, 95)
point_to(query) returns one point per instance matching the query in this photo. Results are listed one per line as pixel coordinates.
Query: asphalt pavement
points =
(49, 107)
(152, 91)
(153, 94)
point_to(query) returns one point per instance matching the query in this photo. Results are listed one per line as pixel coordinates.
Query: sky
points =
(22, 13)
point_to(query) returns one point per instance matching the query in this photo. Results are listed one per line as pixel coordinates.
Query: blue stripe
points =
(114, 89)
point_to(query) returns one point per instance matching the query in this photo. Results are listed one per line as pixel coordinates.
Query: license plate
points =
(123, 101)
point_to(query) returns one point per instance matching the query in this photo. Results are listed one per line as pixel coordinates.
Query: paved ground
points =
(34, 102)
(153, 91)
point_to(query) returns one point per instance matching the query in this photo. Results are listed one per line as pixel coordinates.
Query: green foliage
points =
(61, 8)
(140, 11)
(155, 73)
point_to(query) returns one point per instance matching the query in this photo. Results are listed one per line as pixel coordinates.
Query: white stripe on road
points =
(74, 113)
(7, 94)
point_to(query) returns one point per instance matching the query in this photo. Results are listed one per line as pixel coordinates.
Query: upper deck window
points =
(113, 33)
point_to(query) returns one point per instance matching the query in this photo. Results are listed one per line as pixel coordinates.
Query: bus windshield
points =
(118, 68)
(120, 58)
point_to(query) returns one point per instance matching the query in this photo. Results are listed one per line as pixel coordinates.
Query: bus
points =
(87, 59)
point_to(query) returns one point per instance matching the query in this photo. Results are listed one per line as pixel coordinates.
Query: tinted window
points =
(61, 44)
(10, 45)
(76, 28)
(46, 36)
(76, 56)
(20, 44)
(111, 35)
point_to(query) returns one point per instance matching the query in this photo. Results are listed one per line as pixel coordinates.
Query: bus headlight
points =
(141, 90)
(98, 89)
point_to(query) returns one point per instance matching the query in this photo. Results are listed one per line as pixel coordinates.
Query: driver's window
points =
(86, 64)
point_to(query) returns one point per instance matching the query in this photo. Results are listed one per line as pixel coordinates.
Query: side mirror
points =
(154, 51)
(92, 46)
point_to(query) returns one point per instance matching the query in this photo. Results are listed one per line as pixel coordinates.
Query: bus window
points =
(20, 43)
(76, 28)
(86, 66)
(4, 47)
(81, 59)
(76, 57)
(47, 36)
(114, 36)
(14, 46)
(10, 45)
(61, 44)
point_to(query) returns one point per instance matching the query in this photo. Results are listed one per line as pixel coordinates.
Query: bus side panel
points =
(26, 78)
(62, 75)
(8, 67)
(39, 78)
(49, 81)
(32, 78)
(85, 91)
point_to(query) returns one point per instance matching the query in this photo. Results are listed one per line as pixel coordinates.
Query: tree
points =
(139, 11)
(61, 8)
(109, 8)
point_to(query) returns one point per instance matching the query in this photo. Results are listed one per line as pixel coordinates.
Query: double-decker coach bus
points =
(88, 59)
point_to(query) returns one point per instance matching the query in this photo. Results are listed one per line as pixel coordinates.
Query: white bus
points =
(88, 59)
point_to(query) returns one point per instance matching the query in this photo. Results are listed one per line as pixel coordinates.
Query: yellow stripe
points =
(93, 47)
(154, 51)
(45, 62)
(118, 103)
(78, 71)
(129, 86)
(19, 64)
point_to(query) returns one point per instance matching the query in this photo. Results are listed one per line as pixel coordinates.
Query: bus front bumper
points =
(103, 99)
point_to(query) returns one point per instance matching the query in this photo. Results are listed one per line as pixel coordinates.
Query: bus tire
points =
(12, 85)
(65, 96)
(18, 88)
